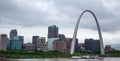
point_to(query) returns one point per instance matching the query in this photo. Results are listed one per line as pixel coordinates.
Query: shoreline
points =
(4, 58)
(49, 54)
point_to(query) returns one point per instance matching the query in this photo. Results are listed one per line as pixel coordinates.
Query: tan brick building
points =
(3, 42)
(62, 45)
(41, 44)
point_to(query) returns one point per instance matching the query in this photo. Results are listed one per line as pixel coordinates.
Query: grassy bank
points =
(52, 54)
(113, 53)
(37, 54)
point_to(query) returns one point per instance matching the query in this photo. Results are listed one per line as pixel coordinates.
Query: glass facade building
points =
(15, 45)
(92, 45)
(13, 33)
(34, 39)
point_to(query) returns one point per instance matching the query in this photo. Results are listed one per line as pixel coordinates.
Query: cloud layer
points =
(39, 14)
(45, 12)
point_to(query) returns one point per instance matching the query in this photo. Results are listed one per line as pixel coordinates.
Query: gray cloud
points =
(64, 13)
(107, 18)
(12, 13)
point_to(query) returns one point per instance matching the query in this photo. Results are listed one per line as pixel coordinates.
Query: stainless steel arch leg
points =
(99, 32)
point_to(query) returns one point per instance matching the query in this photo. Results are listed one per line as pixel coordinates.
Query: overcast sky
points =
(32, 17)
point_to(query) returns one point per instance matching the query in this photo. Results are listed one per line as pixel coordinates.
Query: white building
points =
(50, 42)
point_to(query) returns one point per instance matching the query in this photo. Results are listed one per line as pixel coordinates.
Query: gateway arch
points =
(98, 28)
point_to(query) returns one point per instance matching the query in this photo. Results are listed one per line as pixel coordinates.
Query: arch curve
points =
(76, 29)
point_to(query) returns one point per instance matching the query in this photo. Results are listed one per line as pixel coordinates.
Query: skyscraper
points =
(34, 39)
(52, 31)
(52, 35)
(21, 38)
(61, 36)
(3, 42)
(13, 33)
(17, 43)
(92, 45)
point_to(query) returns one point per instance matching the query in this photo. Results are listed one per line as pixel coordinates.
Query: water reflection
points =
(8, 59)
(63, 59)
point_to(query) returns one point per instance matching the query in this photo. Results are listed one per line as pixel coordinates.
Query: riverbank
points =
(50, 54)
(37, 54)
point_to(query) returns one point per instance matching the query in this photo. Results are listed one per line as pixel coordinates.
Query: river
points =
(65, 59)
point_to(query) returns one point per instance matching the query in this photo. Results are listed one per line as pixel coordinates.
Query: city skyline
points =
(33, 17)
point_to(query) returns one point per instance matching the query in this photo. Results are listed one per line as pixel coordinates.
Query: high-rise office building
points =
(8, 44)
(53, 31)
(92, 45)
(34, 39)
(13, 33)
(61, 36)
(21, 38)
(3, 42)
(17, 43)
(52, 35)
(41, 44)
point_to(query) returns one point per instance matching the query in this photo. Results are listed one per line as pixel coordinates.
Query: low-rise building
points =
(109, 48)
(41, 44)
(29, 47)
(60, 45)
(64, 45)
(81, 46)
(50, 42)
